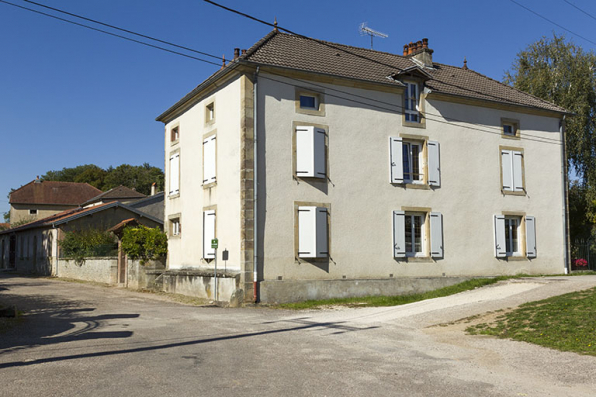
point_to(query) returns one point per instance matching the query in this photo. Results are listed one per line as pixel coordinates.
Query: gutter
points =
(565, 195)
(255, 188)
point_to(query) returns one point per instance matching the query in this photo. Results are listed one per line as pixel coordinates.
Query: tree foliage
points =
(82, 244)
(139, 177)
(144, 243)
(563, 73)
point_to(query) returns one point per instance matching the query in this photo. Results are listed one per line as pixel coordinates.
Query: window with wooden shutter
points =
(208, 233)
(209, 160)
(174, 174)
(436, 235)
(399, 236)
(396, 160)
(434, 165)
(530, 237)
(312, 232)
(310, 152)
(518, 183)
(512, 171)
(499, 229)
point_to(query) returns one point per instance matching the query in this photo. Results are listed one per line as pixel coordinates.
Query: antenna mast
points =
(365, 30)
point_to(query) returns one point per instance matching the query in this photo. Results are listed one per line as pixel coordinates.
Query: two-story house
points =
(326, 170)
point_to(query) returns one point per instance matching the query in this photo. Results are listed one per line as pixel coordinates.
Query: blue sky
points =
(72, 96)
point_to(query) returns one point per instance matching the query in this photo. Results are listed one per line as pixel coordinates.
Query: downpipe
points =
(255, 190)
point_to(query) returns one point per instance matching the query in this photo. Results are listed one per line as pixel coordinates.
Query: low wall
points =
(201, 284)
(300, 290)
(146, 276)
(101, 270)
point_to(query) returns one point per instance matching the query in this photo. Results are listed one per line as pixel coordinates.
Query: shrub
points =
(144, 243)
(88, 243)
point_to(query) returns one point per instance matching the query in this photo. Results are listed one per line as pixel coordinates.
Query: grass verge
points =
(374, 301)
(566, 322)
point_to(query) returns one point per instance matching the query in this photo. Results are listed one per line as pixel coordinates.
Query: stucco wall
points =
(20, 212)
(101, 270)
(106, 219)
(186, 251)
(362, 199)
(35, 251)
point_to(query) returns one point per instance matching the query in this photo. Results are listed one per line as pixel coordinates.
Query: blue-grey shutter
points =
(434, 168)
(530, 237)
(507, 167)
(518, 182)
(436, 235)
(399, 234)
(500, 247)
(319, 166)
(322, 233)
(396, 163)
(312, 232)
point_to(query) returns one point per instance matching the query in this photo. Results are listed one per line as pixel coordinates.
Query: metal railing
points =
(583, 255)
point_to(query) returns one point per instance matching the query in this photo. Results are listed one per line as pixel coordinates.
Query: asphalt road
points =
(84, 340)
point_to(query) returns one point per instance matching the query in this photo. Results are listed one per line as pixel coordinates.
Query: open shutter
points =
(310, 152)
(321, 232)
(175, 174)
(208, 234)
(399, 234)
(209, 146)
(506, 164)
(500, 247)
(530, 237)
(434, 168)
(396, 163)
(518, 183)
(436, 235)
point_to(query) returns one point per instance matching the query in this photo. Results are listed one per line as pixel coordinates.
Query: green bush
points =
(81, 244)
(144, 243)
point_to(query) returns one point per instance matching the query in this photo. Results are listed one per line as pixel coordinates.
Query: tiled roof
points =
(117, 193)
(52, 192)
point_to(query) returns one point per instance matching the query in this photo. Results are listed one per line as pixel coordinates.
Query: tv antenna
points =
(365, 30)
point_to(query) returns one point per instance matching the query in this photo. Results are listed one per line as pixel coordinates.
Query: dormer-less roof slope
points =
(117, 193)
(52, 192)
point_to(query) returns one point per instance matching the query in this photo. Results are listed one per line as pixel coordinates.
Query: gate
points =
(583, 255)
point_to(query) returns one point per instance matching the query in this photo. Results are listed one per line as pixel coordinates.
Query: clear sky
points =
(72, 96)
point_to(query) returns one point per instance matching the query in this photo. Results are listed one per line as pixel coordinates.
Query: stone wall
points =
(201, 284)
(101, 270)
(146, 276)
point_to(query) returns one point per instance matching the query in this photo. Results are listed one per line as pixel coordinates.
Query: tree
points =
(561, 72)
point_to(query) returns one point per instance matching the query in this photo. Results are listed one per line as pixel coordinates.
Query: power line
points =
(554, 23)
(121, 29)
(110, 33)
(579, 9)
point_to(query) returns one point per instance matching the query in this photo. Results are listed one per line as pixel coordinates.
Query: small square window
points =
(309, 102)
(175, 134)
(509, 128)
(210, 112)
(175, 227)
(32, 212)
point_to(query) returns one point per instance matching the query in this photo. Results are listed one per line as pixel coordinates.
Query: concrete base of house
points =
(285, 291)
(146, 276)
(201, 284)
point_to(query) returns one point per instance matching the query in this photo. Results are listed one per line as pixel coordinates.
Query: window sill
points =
(421, 186)
(174, 143)
(414, 124)
(210, 185)
(516, 258)
(510, 193)
(416, 259)
(514, 137)
(173, 196)
(171, 236)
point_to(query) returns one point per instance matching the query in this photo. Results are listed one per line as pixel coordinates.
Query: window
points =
(313, 232)
(511, 231)
(309, 102)
(512, 171)
(410, 237)
(208, 234)
(32, 212)
(411, 103)
(414, 161)
(210, 113)
(174, 174)
(310, 152)
(175, 226)
(174, 134)
(209, 160)
(510, 128)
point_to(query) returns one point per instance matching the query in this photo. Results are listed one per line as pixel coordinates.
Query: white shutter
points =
(310, 152)
(175, 174)
(312, 232)
(507, 165)
(530, 237)
(436, 235)
(396, 163)
(434, 168)
(208, 234)
(518, 183)
(209, 146)
(321, 232)
(399, 234)
(500, 247)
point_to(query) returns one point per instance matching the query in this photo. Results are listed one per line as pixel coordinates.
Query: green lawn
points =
(566, 322)
(368, 301)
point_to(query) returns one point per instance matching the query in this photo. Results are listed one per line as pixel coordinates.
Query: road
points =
(86, 340)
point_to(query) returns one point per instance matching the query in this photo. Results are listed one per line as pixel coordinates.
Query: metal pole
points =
(215, 274)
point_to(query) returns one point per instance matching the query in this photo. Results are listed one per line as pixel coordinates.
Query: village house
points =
(326, 170)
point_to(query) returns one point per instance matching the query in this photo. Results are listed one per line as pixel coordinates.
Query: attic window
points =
(510, 128)
(309, 102)
(210, 112)
(175, 134)
(32, 212)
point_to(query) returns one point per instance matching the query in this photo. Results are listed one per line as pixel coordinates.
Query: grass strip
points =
(376, 301)
(566, 322)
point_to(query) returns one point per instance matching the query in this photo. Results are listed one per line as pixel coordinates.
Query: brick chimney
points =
(420, 52)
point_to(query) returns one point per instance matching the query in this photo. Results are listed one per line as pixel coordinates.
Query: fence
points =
(583, 255)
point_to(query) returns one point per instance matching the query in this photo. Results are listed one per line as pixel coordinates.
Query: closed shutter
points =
(436, 235)
(312, 232)
(530, 237)
(208, 234)
(507, 165)
(322, 233)
(518, 183)
(310, 152)
(434, 168)
(175, 174)
(500, 247)
(396, 163)
(399, 234)
(209, 153)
